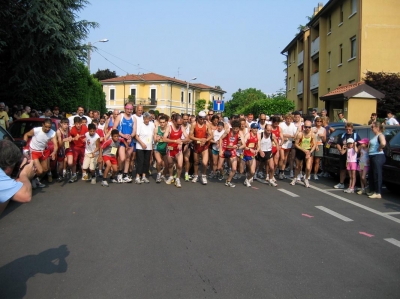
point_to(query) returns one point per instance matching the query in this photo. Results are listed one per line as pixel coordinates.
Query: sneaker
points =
(178, 183)
(272, 183)
(163, 178)
(267, 177)
(100, 173)
(236, 176)
(281, 176)
(158, 179)
(85, 177)
(339, 186)
(287, 169)
(204, 179)
(138, 181)
(348, 190)
(291, 174)
(73, 178)
(220, 176)
(251, 180)
(113, 180)
(186, 177)
(255, 175)
(33, 183)
(293, 182)
(306, 183)
(39, 184)
(64, 173)
(195, 178)
(126, 179)
(49, 177)
(119, 178)
(211, 175)
(361, 191)
(247, 183)
(169, 180)
(327, 175)
(145, 180)
(104, 183)
(93, 180)
(229, 184)
(316, 177)
(375, 196)
(260, 175)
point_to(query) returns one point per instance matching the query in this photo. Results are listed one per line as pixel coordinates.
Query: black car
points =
(331, 153)
(391, 169)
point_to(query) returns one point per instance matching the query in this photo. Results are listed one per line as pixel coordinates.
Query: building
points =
(157, 92)
(343, 40)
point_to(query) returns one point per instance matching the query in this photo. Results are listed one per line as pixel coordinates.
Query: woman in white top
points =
(288, 131)
(320, 132)
(144, 147)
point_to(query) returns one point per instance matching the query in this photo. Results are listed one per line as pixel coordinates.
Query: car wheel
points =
(391, 187)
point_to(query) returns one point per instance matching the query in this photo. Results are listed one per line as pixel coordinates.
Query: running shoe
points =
(260, 175)
(220, 176)
(138, 181)
(178, 183)
(187, 177)
(236, 176)
(375, 196)
(316, 177)
(39, 184)
(247, 183)
(169, 180)
(119, 178)
(291, 174)
(145, 180)
(113, 180)
(73, 178)
(348, 190)
(229, 184)
(60, 179)
(281, 176)
(211, 175)
(204, 179)
(33, 183)
(93, 180)
(104, 184)
(339, 186)
(158, 179)
(195, 179)
(100, 172)
(306, 183)
(251, 180)
(272, 183)
(163, 178)
(85, 177)
(126, 179)
(293, 182)
(267, 177)
(361, 191)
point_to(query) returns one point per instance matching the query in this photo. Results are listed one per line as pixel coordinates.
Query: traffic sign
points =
(218, 105)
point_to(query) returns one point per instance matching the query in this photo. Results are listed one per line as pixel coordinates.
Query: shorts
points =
(319, 153)
(300, 155)
(113, 160)
(366, 168)
(268, 155)
(199, 149)
(247, 158)
(233, 154)
(79, 153)
(89, 162)
(173, 152)
(214, 152)
(61, 154)
(162, 153)
(132, 144)
(351, 166)
(40, 155)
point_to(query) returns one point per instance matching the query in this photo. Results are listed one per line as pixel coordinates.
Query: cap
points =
(267, 117)
(364, 141)
(350, 140)
(254, 126)
(202, 114)
(226, 119)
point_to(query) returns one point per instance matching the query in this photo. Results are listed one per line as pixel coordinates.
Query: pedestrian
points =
(372, 118)
(391, 120)
(363, 164)
(320, 133)
(351, 150)
(341, 118)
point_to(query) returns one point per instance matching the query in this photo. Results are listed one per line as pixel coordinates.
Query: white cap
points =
(350, 140)
(202, 114)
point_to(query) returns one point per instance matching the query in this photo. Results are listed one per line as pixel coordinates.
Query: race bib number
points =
(148, 140)
(328, 145)
(113, 150)
(251, 145)
(198, 141)
(170, 148)
(66, 144)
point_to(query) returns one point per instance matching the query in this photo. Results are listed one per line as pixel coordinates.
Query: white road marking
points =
(288, 192)
(334, 190)
(391, 213)
(333, 213)
(357, 204)
(393, 241)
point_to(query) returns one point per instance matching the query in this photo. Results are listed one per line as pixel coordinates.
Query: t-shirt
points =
(40, 139)
(145, 133)
(8, 186)
(216, 137)
(3, 119)
(110, 147)
(392, 121)
(289, 130)
(91, 143)
(81, 133)
(71, 120)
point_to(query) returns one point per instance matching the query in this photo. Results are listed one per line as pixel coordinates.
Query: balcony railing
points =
(314, 81)
(146, 102)
(300, 58)
(300, 85)
(315, 47)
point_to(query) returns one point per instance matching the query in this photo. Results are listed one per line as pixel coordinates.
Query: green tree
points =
(200, 105)
(39, 40)
(104, 74)
(243, 98)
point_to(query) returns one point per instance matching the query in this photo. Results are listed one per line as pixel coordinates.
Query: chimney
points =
(317, 9)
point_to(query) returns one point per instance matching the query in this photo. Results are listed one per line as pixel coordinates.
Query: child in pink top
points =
(352, 151)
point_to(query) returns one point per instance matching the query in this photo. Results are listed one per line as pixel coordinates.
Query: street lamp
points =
(187, 94)
(104, 40)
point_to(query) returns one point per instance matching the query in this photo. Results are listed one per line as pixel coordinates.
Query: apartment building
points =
(343, 40)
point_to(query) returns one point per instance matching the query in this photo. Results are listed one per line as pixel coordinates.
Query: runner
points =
(201, 134)
(249, 153)
(77, 152)
(217, 134)
(63, 146)
(289, 131)
(213, 125)
(187, 146)
(276, 130)
(92, 140)
(160, 149)
(299, 125)
(110, 122)
(266, 141)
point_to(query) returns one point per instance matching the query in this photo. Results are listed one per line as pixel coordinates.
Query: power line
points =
(112, 62)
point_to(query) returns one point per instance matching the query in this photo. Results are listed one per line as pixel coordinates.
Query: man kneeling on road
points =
(20, 189)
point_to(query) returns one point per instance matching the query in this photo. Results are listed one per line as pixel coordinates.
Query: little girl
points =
(363, 165)
(352, 151)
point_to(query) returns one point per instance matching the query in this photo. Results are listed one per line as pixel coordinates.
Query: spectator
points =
(96, 114)
(391, 121)
(341, 118)
(20, 189)
(56, 113)
(376, 160)
(324, 113)
(3, 116)
(314, 116)
(26, 112)
(47, 114)
(373, 118)
(79, 113)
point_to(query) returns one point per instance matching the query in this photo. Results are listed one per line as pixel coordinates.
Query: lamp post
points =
(104, 40)
(187, 94)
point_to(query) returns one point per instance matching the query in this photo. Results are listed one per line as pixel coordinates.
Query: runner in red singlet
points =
(249, 153)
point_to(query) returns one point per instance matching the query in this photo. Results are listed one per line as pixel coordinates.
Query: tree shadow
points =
(14, 275)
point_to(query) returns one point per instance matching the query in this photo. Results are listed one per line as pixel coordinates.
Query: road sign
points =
(219, 106)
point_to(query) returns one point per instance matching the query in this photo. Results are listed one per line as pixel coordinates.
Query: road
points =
(156, 241)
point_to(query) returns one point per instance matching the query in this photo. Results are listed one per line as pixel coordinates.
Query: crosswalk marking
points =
(333, 213)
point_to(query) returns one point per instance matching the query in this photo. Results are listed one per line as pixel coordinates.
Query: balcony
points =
(146, 102)
(300, 58)
(314, 81)
(300, 85)
(315, 47)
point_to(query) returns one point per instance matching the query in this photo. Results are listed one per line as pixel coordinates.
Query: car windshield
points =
(395, 141)
(4, 135)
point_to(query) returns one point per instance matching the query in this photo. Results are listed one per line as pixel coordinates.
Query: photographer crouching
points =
(19, 189)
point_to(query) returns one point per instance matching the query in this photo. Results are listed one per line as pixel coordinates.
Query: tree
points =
(200, 105)
(39, 40)
(242, 98)
(389, 85)
(104, 74)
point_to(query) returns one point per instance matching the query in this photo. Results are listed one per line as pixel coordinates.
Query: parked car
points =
(331, 153)
(5, 135)
(391, 169)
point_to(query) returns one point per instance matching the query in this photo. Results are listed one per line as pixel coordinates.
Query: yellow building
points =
(343, 40)
(157, 92)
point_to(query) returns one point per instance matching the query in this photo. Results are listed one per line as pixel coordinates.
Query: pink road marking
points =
(366, 234)
(254, 188)
(306, 215)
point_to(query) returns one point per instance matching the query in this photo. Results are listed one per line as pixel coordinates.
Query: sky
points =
(235, 44)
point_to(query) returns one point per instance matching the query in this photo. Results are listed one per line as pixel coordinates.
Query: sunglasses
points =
(318, 121)
(307, 127)
(210, 114)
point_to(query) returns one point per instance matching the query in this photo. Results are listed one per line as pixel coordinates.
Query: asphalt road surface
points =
(157, 241)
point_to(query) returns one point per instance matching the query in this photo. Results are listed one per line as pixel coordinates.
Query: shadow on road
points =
(14, 275)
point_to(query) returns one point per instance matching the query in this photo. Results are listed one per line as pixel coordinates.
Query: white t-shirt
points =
(392, 121)
(71, 120)
(217, 135)
(139, 119)
(91, 143)
(290, 130)
(146, 134)
(40, 139)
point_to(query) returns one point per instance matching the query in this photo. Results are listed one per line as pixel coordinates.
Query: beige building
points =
(158, 92)
(343, 40)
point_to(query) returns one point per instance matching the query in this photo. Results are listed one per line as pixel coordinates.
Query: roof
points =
(294, 40)
(345, 92)
(153, 77)
(324, 9)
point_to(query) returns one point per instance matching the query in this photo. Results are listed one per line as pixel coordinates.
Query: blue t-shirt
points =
(8, 186)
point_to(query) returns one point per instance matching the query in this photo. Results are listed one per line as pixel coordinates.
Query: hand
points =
(262, 154)
(100, 159)
(317, 149)
(28, 170)
(144, 146)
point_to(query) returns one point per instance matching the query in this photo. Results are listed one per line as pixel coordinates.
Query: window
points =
(353, 7)
(341, 14)
(112, 94)
(329, 60)
(353, 45)
(340, 54)
(190, 97)
(133, 93)
(182, 96)
(329, 24)
(294, 81)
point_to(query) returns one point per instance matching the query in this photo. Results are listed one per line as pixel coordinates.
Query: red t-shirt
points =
(74, 132)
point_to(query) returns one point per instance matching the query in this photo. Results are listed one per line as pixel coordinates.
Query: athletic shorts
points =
(319, 153)
(247, 158)
(351, 166)
(61, 154)
(89, 162)
(199, 149)
(79, 154)
(173, 152)
(233, 154)
(268, 155)
(132, 144)
(300, 155)
(40, 155)
(214, 152)
(113, 160)
(162, 153)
